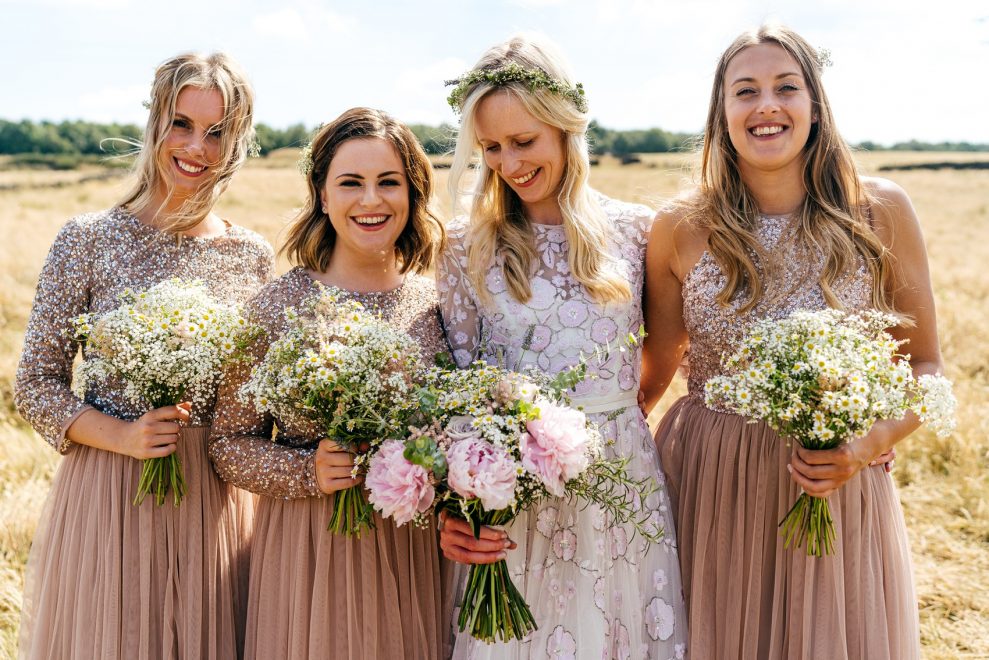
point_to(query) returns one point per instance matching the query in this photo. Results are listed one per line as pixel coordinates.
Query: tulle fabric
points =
(107, 579)
(747, 596)
(315, 594)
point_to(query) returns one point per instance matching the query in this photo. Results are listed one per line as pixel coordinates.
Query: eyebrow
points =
(782, 75)
(353, 175)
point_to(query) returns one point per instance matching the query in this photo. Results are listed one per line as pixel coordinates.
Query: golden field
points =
(943, 484)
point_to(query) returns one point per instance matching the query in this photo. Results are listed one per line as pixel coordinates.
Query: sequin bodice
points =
(93, 259)
(241, 444)
(715, 331)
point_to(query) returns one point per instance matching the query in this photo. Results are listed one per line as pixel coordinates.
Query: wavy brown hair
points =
(216, 71)
(311, 235)
(835, 218)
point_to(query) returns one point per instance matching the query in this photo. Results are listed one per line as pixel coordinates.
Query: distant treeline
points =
(81, 138)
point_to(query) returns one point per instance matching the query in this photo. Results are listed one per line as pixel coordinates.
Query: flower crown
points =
(514, 72)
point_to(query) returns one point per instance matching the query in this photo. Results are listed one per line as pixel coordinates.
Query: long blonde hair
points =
(216, 71)
(835, 217)
(311, 235)
(497, 221)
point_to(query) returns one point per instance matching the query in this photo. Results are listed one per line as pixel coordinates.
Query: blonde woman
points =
(106, 578)
(547, 272)
(367, 230)
(782, 221)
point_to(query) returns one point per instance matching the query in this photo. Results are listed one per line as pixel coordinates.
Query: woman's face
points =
(191, 148)
(768, 108)
(527, 154)
(366, 196)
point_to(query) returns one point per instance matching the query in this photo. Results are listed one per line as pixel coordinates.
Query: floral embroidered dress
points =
(595, 589)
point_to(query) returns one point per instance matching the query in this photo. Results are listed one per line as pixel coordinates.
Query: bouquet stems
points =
(158, 475)
(809, 521)
(492, 608)
(352, 513)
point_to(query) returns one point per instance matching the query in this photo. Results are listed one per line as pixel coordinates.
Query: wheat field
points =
(943, 483)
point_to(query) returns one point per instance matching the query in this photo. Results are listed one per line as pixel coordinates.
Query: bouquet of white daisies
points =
(823, 378)
(168, 344)
(351, 373)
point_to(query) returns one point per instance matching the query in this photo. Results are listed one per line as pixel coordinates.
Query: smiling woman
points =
(365, 229)
(107, 578)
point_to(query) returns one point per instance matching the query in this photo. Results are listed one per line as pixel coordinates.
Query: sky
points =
(901, 69)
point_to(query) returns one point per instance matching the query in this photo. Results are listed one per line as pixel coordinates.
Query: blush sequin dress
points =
(595, 589)
(105, 578)
(314, 594)
(748, 597)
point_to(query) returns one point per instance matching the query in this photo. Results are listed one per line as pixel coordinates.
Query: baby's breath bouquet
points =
(495, 443)
(168, 344)
(348, 371)
(823, 378)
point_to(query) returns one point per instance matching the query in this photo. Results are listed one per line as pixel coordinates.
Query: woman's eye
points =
(524, 144)
(788, 87)
(745, 91)
(180, 123)
(350, 183)
(215, 134)
(390, 182)
(491, 148)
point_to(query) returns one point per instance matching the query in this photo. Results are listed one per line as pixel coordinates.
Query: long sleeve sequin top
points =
(93, 259)
(241, 445)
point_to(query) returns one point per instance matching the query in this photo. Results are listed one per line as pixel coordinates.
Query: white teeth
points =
(370, 219)
(526, 178)
(187, 167)
(767, 130)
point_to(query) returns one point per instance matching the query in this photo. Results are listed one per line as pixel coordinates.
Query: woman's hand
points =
(334, 466)
(458, 542)
(155, 434)
(823, 471)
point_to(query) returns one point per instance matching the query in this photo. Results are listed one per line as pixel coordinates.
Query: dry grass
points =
(943, 483)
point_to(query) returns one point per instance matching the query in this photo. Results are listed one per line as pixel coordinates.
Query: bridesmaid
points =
(366, 229)
(106, 578)
(782, 221)
(545, 273)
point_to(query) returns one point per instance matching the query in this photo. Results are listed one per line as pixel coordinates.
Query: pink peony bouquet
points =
(492, 444)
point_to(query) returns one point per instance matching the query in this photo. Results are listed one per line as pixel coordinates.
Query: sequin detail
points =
(93, 259)
(241, 445)
(791, 285)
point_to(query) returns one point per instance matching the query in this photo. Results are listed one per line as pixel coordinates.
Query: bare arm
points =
(666, 336)
(821, 472)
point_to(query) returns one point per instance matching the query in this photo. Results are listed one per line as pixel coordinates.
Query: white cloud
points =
(302, 23)
(420, 87)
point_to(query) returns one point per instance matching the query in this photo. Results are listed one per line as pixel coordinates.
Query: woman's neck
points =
(361, 273)
(778, 192)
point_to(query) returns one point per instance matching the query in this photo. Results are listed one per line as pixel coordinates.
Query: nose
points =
(510, 162)
(769, 104)
(196, 144)
(370, 198)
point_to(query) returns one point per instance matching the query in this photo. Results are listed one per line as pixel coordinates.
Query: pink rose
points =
(397, 488)
(479, 469)
(554, 448)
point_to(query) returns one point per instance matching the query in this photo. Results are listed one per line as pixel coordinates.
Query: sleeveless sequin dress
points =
(594, 589)
(105, 578)
(314, 594)
(747, 596)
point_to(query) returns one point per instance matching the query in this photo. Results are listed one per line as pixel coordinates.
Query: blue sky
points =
(901, 70)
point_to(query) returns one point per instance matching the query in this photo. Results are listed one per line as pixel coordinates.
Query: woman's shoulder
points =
(284, 291)
(250, 240)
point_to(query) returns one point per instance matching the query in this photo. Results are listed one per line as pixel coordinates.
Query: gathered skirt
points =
(111, 580)
(748, 596)
(314, 594)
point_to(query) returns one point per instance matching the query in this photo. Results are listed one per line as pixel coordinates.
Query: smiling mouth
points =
(765, 131)
(189, 168)
(370, 220)
(526, 178)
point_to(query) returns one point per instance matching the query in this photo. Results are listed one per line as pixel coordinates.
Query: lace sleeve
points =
(42, 388)
(458, 303)
(241, 446)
